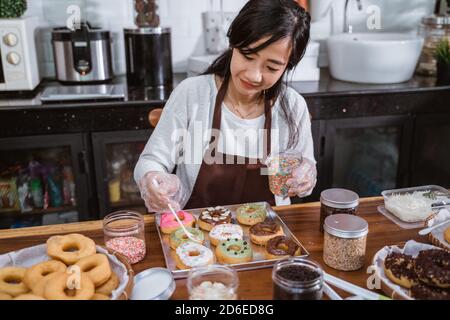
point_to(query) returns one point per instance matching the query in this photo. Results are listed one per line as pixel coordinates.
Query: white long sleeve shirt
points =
(183, 132)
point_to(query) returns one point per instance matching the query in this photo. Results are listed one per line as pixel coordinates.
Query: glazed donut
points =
(11, 281)
(222, 232)
(99, 296)
(423, 292)
(433, 267)
(70, 248)
(213, 216)
(233, 251)
(281, 247)
(39, 287)
(191, 254)
(178, 236)
(96, 267)
(56, 288)
(447, 235)
(28, 296)
(5, 296)
(168, 223)
(399, 268)
(250, 214)
(262, 232)
(109, 286)
(40, 270)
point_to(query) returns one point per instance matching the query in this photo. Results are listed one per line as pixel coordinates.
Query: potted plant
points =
(443, 62)
(12, 8)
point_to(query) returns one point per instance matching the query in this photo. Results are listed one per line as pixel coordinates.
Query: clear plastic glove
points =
(303, 180)
(159, 189)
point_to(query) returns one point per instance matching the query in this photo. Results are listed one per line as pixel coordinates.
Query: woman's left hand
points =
(303, 180)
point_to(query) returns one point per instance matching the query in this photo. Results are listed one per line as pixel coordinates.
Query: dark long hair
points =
(275, 19)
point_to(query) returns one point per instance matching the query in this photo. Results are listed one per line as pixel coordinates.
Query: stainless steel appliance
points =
(18, 60)
(148, 57)
(82, 55)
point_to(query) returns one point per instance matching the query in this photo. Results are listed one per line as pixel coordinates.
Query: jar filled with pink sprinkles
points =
(124, 233)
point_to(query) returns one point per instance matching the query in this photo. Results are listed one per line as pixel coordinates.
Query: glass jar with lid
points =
(124, 233)
(344, 246)
(213, 282)
(335, 201)
(433, 29)
(296, 278)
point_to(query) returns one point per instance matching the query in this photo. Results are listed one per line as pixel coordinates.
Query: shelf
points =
(38, 211)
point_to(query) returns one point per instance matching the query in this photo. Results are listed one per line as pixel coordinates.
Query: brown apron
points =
(239, 182)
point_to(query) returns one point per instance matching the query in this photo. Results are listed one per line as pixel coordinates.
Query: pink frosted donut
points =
(169, 223)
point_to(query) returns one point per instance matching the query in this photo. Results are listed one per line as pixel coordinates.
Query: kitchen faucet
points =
(347, 27)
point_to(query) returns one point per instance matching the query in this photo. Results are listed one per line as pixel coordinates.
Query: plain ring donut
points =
(109, 286)
(70, 248)
(96, 267)
(56, 288)
(11, 281)
(37, 272)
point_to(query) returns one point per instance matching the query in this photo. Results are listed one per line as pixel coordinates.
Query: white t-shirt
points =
(183, 132)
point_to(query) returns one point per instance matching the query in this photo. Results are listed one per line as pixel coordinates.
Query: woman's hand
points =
(303, 180)
(159, 189)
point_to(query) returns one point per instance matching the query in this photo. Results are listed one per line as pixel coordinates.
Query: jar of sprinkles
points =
(344, 246)
(335, 201)
(124, 232)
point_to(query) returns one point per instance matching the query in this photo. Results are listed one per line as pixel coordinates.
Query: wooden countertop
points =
(302, 219)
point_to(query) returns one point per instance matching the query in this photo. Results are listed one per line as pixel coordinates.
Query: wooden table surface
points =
(302, 219)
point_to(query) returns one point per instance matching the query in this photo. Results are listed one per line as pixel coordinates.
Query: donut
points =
(56, 288)
(99, 296)
(168, 222)
(252, 213)
(233, 251)
(178, 237)
(433, 267)
(191, 254)
(39, 287)
(96, 267)
(212, 216)
(281, 247)
(222, 232)
(70, 248)
(40, 270)
(399, 268)
(262, 232)
(447, 234)
(5, 296)
(109, 286)
(11, 281)
(28, 296)
(423, 292)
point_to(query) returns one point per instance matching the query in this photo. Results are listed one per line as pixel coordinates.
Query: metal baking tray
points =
(259, 260)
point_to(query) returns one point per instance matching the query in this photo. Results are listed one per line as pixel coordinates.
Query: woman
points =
(239, 103)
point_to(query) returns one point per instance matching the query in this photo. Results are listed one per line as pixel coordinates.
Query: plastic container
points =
(440, 193)
(337, 201)
(153, 284)
(124, 232)
(280, 167)
(296, 278)
(345, 238)
(213, 282)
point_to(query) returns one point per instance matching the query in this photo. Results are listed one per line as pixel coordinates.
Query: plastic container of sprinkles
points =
(280, 167)
(124, 232)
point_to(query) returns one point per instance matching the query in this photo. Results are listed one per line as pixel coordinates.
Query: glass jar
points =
(296, 278)
(433, 28)
(344, 246)
(336, 201)
(123, 232)
(213, 282)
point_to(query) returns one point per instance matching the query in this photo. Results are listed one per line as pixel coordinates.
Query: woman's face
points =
(261, 70)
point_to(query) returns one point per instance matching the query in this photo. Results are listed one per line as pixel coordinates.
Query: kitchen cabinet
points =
(366, 155)
(430, 156)
(115, 155)
(44, 180)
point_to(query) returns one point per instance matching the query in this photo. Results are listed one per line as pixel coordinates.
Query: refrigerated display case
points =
(115, 156)
(43, 180)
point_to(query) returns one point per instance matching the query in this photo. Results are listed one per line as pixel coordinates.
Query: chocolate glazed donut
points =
(262, 232)
(281, 246)
(433, 267)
